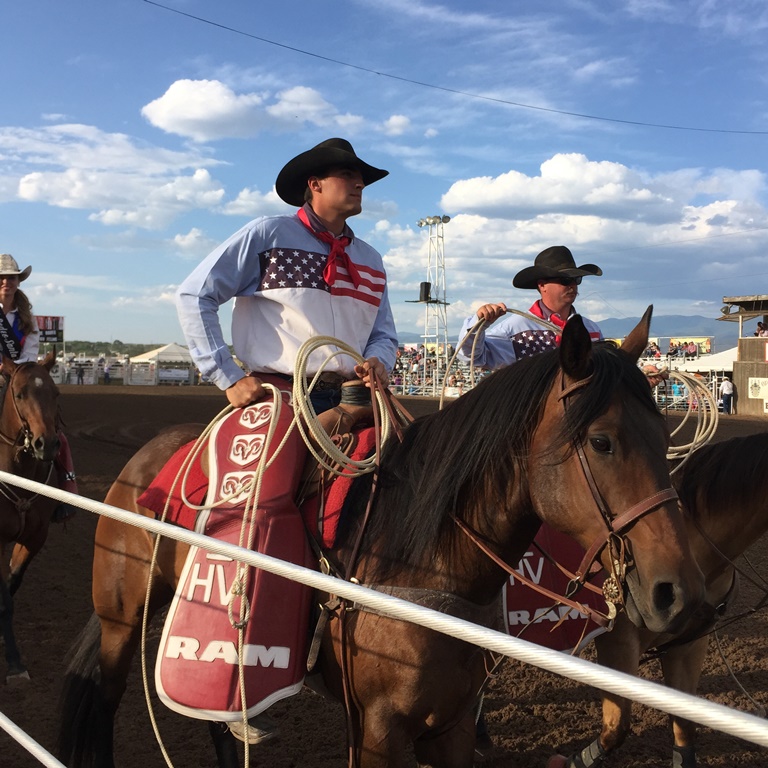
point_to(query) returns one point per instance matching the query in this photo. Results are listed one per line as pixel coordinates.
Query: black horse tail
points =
(86, 721)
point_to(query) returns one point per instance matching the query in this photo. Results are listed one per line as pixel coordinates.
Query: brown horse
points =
(723, 490)
(571, 437)
(29, 443)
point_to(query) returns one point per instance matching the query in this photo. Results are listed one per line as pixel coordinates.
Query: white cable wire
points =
(699, 710)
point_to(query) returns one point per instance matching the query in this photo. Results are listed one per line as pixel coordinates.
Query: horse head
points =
(601, 445)
(30, 415)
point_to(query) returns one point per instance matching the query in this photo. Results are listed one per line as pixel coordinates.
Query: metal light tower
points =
(432, 295)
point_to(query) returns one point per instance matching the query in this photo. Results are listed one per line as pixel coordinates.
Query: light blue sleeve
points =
(382, 343)
(230, 270)
(493, 346)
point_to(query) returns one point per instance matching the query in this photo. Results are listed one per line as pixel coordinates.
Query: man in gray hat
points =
(557, 278)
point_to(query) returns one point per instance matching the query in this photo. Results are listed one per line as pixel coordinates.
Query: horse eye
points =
(600, 444)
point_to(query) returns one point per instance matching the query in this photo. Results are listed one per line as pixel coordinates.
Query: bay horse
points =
(570, 436)
(29, 443)
(723, 488)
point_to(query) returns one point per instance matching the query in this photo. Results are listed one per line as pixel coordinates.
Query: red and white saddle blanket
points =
(197, 671)
(531, 615)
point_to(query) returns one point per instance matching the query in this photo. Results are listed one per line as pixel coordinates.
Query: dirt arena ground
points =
(530, 713)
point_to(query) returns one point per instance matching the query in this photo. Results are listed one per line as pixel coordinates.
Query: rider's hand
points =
(491, 312)
(372, 364)
(245, 391)
(655, 375)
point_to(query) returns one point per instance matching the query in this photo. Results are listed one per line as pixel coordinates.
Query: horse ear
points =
(576, 349)
(50, 360)
(637, 341)
(9, 366)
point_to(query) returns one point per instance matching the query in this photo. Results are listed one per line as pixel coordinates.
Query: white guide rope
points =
(699, 710)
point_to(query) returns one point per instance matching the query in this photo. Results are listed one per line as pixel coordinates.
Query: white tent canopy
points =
(721, 361)
(170, 353)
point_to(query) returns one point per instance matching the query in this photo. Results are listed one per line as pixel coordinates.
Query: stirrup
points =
(261, 728)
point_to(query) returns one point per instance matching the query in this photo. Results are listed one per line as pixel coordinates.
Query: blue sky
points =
(133, 139)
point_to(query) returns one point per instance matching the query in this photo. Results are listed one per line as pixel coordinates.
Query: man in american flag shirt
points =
(293, 277)
(557, 278)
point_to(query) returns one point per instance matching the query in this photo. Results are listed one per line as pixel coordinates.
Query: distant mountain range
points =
(663, 327)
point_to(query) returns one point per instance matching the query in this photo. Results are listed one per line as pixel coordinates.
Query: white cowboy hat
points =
(8, 266)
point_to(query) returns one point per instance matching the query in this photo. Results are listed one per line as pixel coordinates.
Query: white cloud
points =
(194, 244)
(396, 125)
(155, 297)
(209, 110)
(251, 202)
(205, 110)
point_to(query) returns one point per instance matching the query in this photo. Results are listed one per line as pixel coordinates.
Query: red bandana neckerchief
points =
(338, 246)
(553, 318)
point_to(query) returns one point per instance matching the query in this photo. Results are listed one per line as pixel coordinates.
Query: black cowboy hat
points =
(292, 180)
(556, 261)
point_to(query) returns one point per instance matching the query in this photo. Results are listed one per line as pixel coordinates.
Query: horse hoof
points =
(20, 676)
(557, 761)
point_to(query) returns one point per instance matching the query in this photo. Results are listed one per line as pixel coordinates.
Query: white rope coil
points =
(308, 425)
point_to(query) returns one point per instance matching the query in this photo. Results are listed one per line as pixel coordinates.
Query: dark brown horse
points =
(571, 437)
(29, 443)
(724, 491)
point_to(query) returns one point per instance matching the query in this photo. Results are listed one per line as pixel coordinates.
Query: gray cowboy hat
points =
(8, 266)
(292, 180)
(555, 261)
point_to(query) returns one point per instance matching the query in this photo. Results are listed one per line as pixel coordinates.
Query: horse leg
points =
(682, 667)
(20, 560)
(619, 649)
(379, 742)
(454, 748)
(16, 669)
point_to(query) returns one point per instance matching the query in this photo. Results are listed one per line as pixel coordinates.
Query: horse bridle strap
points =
(615, 525)
(586, 610)
(622, 522)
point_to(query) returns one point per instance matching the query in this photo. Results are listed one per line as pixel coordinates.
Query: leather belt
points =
(325, 381)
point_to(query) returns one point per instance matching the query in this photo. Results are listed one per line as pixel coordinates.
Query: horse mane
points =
(725, 475)
(469, 454)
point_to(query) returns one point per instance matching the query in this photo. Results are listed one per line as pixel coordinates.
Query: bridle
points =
(23, 438)
(616, 526)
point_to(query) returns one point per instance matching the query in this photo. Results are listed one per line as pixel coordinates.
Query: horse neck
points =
(10, 426)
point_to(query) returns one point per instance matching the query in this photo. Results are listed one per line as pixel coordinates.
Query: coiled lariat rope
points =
(308, 425)
(703, 404)
(321, 447)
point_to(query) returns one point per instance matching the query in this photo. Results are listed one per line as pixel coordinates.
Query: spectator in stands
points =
(691, 349)
(762, 329)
